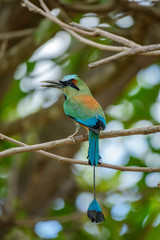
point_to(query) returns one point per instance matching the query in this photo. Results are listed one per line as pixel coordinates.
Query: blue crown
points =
(69, 77)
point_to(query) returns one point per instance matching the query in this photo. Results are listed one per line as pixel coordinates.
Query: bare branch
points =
(74, 30)
(69, 141)
(96, 45)
(90, 32)
(147, 50)
(131, 48)
(44, 6)
(95, 32)
(77, 139)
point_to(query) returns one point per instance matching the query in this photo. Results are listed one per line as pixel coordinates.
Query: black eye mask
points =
(69, 83)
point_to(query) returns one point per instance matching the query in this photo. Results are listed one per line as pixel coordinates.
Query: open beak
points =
(53, 84)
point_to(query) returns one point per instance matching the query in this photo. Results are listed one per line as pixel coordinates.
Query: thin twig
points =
(96, 45)
(99, 32)
(133, 51)
(130, 45)
(76, 29)
(44, 6)
(90, 32)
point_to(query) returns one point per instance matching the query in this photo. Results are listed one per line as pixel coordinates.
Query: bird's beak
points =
(53, 84)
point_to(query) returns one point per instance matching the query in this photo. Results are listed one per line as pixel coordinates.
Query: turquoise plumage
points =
(80, 105)
(94, 212)
(93, 151)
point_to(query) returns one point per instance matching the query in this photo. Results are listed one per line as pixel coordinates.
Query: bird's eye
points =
(66, 83)
(69, 82)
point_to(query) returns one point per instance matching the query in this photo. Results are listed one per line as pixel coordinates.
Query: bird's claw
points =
(77, 130)
(72, 137)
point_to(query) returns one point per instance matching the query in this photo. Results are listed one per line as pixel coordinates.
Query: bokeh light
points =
(48, 229)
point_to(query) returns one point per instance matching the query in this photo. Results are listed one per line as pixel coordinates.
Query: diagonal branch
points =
(95, 44)
(77, 139)
(44, 6)
(76, 30)
(132, 51)
(68, 141)
(96, 32)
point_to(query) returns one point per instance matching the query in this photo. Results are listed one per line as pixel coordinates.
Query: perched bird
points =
(80, 105)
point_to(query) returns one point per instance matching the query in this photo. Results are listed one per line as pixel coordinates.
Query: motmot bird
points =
(81, 106)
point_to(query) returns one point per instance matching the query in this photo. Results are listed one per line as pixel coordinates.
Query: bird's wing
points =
(87, 111)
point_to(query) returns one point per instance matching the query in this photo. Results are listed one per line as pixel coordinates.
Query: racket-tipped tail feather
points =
(95, 213)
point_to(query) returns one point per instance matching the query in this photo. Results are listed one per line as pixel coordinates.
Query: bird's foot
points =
(72, 137)
(77, 130)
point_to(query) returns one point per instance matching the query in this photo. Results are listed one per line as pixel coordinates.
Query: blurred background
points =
(44, 199)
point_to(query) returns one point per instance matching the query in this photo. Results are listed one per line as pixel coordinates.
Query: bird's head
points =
(70, 85)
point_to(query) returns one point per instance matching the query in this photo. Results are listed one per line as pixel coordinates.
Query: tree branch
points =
(78, 139)
(147, 50)
(71, 29)
(44, 6)
(95, 32)
(96, 45)
(131, 48)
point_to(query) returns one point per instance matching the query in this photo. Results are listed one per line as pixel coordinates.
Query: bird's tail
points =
(94, 212)
(93, 151)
